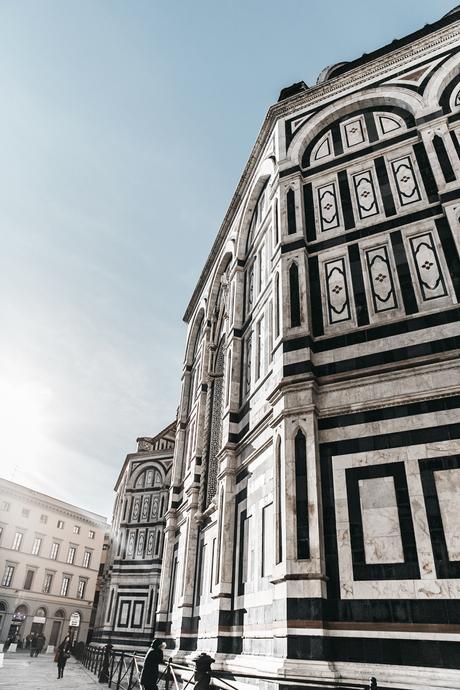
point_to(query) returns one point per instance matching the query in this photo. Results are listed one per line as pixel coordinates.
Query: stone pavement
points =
(19, 670)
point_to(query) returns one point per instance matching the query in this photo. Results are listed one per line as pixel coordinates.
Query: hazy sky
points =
(124, 128)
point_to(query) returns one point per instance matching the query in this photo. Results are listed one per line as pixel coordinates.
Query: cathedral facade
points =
(314, 515)
(131, 576)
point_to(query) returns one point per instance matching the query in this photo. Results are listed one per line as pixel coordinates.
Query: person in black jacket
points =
(153, 658)
(62, 654)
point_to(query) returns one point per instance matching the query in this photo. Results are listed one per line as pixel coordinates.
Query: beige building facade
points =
(49, 560)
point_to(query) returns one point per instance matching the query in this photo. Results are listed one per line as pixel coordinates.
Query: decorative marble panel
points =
(448, 489)
(136, 509)
(131, 540)
(354, 133)
(323, 148)
(380, 279)
(429, 274)
(388, 123)
(328, 207)
(365, 194)
(149, 479)
(406, 182)
(155, 508)
(140, 544)
(338, 302)
(381, 531)
(150, 543)
(146, 508)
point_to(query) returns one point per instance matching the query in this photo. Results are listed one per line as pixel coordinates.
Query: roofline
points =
(282, 108)
(95, 517)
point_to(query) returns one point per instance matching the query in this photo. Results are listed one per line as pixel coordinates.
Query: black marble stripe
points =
(405, 278)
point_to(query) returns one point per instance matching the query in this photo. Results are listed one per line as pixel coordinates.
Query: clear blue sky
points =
(124, 128)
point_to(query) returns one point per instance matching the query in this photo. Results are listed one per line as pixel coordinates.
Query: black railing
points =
(122, 671)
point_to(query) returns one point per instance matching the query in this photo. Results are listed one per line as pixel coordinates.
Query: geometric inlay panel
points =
(379, 509)
(431, 280)
(354, 133)
(406, 183)
(391, 552)
(337, 291)
(329, 212)
(365, 194)
(441, 489)
(380, 279)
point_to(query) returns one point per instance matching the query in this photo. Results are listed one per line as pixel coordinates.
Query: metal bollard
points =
(203, 671)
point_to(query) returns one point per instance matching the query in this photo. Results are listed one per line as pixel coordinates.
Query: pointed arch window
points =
(278, 504)
(301, 495)
(277, 306)
(294, 294)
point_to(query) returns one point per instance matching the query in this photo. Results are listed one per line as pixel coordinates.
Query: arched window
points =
(301, 495)
(294, 294)
(277, 305)
(216, 423)
(290, 205)
(276, 233)
(41, 612)
(278, 503)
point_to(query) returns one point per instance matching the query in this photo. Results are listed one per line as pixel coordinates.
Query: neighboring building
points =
(100, 582)
(129, 595)
(314, 511)
(49, 558)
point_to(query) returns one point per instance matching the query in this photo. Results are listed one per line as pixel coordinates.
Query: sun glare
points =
(22, 427)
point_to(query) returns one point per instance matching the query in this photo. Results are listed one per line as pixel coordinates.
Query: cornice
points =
(27, 495)
(351, 80)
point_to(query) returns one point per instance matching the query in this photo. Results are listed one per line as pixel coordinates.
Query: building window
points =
(29, 579)
(36, 546)
(277, 305)
(86, 559)
(301, 495)
(60, 524)
(71, 555)
(47, 582)
(65, 585)
(91, 534)
(8, 576)
(4, 505)
(54, 551)
(17, 541)
(76, 529)
(259, 367)
(294, 294)
(81, 588)
(267, 540)
(44, 519)
(25, 512)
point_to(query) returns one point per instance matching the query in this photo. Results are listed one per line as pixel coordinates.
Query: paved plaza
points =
(19, 670)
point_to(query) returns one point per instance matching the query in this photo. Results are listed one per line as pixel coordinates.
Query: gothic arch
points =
(265, 171)
(439, 82)
(381, 96)
(216, 287)
(193, 335)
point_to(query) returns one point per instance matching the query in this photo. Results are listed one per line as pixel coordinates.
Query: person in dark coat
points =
(62, 654)
(153, 658)
(33, 644)
(41, 641)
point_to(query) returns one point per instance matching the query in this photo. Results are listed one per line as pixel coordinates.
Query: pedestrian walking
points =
(62, 654)
(33, 644)
(41, 641)
(152, 660)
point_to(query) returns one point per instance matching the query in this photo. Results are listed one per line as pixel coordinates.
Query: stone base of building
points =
(257, 672)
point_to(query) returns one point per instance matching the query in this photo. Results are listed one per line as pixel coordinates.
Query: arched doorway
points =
(56, 629)
(39, 620)
(3, 612)
(17, 621)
